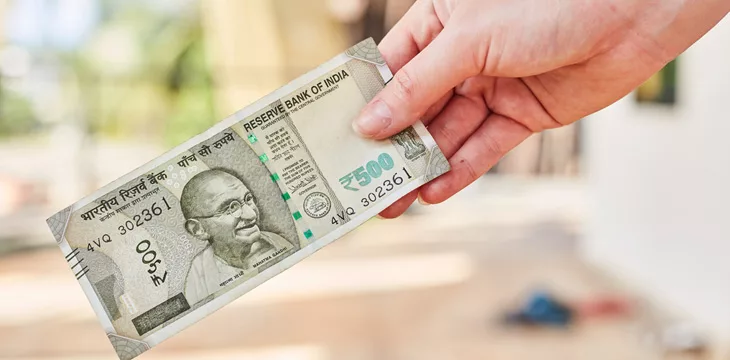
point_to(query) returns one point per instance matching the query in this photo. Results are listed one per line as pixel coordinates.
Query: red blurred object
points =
(604, 307)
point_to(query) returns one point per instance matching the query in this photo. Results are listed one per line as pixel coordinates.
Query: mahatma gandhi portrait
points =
(220, 210)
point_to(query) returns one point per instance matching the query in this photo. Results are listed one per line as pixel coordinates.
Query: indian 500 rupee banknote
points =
(189, 232)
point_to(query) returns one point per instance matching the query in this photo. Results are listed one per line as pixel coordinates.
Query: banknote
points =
(185, 234)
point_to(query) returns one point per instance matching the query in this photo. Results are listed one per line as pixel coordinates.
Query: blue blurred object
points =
(542, 309)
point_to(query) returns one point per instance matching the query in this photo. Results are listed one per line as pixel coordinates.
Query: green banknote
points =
(187, 233)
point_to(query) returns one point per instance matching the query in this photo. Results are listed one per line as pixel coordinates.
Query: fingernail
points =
(421, 201)
(373, 120)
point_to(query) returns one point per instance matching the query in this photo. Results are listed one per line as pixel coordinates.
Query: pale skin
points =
(484, 75)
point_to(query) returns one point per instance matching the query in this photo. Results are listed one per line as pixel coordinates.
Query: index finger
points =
(410, 35)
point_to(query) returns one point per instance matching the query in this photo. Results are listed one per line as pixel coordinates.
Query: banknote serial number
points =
(364, 175)
(145, 216)
(98, 243)
(385, 188)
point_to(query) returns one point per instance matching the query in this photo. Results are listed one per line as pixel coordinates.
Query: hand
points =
(484, 75)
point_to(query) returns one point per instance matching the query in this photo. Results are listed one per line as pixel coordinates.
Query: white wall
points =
(660, 188)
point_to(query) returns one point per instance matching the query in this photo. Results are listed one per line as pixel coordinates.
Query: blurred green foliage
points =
(16, 114)
(661, 88)
(164, 91)
(139, 73)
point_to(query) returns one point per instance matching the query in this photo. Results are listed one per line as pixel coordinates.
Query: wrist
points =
(664, 29)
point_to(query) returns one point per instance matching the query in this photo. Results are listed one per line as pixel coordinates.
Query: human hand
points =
(484, 75)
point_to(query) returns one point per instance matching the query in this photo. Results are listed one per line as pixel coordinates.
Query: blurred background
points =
(602, 240)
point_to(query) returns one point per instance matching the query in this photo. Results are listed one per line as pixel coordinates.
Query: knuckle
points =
(471, 173)
(468, 173)
(403, 85)
(448, 136)
(430, 28)
(494, 148)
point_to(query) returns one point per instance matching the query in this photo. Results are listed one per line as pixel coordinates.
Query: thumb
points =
(443, 64)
